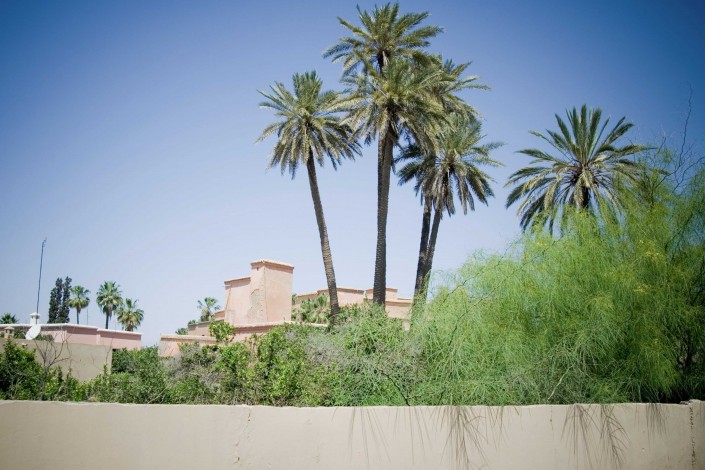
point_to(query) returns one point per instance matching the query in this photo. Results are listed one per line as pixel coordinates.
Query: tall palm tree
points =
(309, 129)
(391, 105)
(453, 170)
(109, 298)
(393, 93)
(585, 173)
(8, 318)
(129, 316)
(79, 300)
(208, 308)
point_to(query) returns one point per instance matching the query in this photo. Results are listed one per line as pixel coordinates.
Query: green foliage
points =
(19, 373)
(138, 376)
(222, 332)
(59, 301)
(315, 310)
(182, 331)
(8, 318)
(23, 378)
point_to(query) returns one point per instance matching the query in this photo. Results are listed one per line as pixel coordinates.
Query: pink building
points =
(256, 303)
(86, 334)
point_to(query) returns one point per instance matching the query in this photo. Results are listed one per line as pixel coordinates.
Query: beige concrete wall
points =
(49, 435)
(86, 361)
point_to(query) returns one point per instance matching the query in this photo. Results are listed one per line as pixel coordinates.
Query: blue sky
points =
(127, 135)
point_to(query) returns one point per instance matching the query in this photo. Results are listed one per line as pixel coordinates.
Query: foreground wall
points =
(49, 435)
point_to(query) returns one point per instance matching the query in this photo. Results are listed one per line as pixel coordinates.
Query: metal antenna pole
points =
(41, 261)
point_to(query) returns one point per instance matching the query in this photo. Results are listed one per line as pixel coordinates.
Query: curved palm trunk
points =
(425, 228)
(385, 148)
(430, 252)
(325, 246)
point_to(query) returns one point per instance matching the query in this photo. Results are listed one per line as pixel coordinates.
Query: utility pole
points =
(41, 261)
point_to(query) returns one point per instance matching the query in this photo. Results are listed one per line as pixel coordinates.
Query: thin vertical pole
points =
(41, 261)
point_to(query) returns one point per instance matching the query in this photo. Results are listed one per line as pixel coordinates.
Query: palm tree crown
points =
(8, 318)
(586, 173)
(310, 125)
(208, 308)
(129, 316)
(79, 300)
(309, 130)
(384, 34)
(109, 298)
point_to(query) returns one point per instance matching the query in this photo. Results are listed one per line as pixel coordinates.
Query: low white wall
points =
(50, 435)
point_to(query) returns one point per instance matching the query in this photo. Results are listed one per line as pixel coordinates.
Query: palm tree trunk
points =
(325, 246)
(385, 146)
(430, 252)
(78, 316)
(107, 318)
(425, 228)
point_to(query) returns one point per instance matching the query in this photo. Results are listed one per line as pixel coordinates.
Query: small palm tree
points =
(79, 300)
(109, 298)
(208, 308)
(453, 171)
(8, 318)
(586, 173)
(309, 130)
(129, 316)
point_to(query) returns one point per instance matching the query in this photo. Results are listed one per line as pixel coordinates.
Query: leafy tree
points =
(79, 300)
(453, 169)
(109, 298)
(129, 315)
(586, 173)
(221, 331)
(8, 318)
(55, 301)
(182, 331)
(208, 308)
(309, 130)
(65, 297)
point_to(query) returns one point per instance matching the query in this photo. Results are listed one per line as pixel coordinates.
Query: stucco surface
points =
(42, 435)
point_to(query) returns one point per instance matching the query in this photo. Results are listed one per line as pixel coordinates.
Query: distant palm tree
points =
(109, 298)
(79, 300)
(585, 174)
(208, 308)
(439, 177)
(393, 95)
(309, 130)
(129, 316)
(8, 318)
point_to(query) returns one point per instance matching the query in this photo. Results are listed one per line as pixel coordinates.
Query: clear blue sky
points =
(127, 135)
